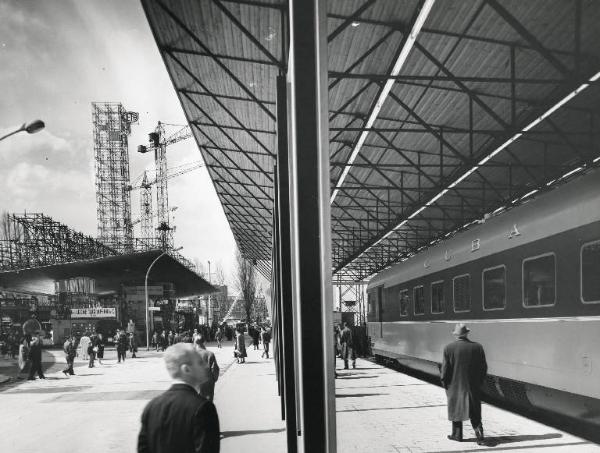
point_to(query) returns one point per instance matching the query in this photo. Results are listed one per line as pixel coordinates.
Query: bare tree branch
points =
(246, 283)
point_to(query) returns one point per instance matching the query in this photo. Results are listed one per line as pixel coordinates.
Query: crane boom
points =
(171, 173)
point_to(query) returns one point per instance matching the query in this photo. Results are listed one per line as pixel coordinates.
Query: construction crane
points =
(158, 144)
(147, 215)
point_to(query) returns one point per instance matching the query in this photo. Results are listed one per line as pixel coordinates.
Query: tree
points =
(199, 267)
(246, 283)
(9, 229)
(219, 275)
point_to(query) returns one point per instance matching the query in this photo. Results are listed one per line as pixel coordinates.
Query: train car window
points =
(494, 288)
(462, 293)
(404, 300)
(539, 280)
(419, 298)
(590, 272)
(371, 302)
(438, 304)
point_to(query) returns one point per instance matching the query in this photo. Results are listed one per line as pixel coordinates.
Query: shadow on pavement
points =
(359, 395)
(500, 440)
(342, 376)
(45, 390)
(538, 447)
(225, 434)
(391, 408)
(381, 386)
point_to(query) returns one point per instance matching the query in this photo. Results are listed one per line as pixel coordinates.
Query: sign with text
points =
(93, 313)
(186, 306)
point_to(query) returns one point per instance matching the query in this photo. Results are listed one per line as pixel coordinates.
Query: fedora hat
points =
(461, 329)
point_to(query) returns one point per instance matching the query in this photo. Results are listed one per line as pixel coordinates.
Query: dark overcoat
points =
(240, 345)
(179, 421)
(463, 371)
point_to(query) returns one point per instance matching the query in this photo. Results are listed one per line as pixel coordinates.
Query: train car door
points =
(380, 309)
(375, 310)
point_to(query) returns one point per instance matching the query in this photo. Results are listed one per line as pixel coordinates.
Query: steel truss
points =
(397, 183)
(351, 298)
(34, 240)
(392, 181)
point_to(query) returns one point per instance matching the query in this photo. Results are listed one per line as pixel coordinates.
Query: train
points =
(527, 283)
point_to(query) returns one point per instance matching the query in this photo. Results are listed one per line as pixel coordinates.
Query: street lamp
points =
(208, 307)
(146, 292)
(31, 128)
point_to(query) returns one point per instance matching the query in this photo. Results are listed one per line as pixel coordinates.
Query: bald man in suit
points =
(180, 420)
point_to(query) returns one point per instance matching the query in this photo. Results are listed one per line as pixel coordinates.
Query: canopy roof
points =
(110, 273)
(440, 112)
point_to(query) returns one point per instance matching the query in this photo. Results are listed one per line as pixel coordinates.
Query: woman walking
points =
(240, 346)
(219, 337)
(100, 353)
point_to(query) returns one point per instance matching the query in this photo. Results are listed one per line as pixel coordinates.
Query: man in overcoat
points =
(70, 350)
(463, 372)
(180, 420)
(347, 343)
(35, 355)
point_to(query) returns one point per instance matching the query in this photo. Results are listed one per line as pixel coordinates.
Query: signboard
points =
(153, 308)
(93, 313)
(186, 306)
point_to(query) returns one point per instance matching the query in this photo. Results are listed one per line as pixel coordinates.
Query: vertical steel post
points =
(288, 355)
(311, 229)
(276, 294)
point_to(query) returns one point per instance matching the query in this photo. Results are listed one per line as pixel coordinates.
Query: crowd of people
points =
(195, 371)
(9, 343)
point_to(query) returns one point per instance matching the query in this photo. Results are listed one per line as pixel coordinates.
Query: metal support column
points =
(310, 220)
(276, 296)
(285, 270)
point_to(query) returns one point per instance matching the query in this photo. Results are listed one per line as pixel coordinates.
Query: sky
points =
(59, 56)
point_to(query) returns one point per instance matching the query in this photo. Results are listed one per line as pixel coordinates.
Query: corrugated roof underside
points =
(479, 72)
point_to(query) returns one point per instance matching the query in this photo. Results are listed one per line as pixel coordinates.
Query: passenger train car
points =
(527, 283)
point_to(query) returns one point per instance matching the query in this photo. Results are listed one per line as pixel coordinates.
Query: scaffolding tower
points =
(112, 126)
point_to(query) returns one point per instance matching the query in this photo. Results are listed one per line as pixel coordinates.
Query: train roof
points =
(568, 206)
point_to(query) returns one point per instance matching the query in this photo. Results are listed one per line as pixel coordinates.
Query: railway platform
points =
(379, 410)
(384, 411)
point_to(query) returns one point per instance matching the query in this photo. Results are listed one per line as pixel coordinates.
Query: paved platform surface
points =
(378, 410)
(383, 411)
(99, 409)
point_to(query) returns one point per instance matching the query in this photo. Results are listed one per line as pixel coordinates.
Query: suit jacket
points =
(35, 353)
(70, 349)
(346, 337)
(207, 388)
(463, 370)
(179, 421)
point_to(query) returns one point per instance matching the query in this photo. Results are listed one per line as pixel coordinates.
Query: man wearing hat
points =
(463, 371)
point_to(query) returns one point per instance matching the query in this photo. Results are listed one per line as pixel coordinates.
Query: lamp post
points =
(208, 306)
(146, 292)
(31, 128)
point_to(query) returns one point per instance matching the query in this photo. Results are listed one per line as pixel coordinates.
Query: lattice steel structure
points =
(440, 113)
(162, 192)
(112, 125)
(37, 240)
(146, 217)
(350, 298)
